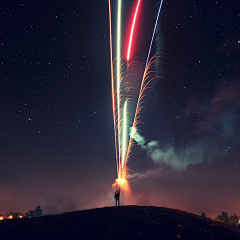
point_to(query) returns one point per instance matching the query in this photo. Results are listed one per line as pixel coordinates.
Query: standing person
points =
(117, 197)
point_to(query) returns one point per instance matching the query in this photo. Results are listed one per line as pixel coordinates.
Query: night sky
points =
(56, 125)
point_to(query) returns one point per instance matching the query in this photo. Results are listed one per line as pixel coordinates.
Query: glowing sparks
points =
(132, 30)
(122, 182)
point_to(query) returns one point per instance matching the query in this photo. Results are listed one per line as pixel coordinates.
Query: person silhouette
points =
(117, 197)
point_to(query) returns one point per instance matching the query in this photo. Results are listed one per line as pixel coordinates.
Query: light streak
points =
(119, 69)
(159, 10)
(132, 29)
(124, 134)
(112, 80)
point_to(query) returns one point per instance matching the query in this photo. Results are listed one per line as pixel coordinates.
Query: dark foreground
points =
(128, 222)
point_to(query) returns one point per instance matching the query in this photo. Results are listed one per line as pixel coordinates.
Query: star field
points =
(56, 136)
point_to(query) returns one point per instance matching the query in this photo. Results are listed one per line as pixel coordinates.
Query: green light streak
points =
(124, 134)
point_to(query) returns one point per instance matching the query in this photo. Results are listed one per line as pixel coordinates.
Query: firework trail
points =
(120, 101)
(124, 134)
(112, 78)
(132, 30)
(159, 10)
(118, 71)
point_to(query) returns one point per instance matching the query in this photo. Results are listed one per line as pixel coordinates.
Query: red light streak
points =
(132, 30)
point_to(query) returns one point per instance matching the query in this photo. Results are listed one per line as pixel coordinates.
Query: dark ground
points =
(127, 222)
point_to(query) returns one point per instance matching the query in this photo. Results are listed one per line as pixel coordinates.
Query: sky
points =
(56, 122)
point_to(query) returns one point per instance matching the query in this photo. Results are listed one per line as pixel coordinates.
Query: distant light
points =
(1, 218)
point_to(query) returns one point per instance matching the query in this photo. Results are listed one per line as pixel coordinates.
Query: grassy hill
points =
(126, 222)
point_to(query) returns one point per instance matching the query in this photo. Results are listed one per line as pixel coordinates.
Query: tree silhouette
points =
(38, 211)
(203, 214)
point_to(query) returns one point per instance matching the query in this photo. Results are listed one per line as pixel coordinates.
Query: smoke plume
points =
(178, 159)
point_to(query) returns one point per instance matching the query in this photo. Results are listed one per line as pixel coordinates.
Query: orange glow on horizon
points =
(1, 218)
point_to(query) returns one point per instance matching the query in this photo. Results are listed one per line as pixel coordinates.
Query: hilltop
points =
(125, 222)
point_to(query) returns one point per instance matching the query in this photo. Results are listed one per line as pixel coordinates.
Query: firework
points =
(120, 101)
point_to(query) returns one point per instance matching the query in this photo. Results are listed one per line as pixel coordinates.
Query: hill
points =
(126, 222)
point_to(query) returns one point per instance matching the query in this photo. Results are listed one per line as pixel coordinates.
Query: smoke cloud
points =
(178, 159)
